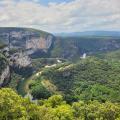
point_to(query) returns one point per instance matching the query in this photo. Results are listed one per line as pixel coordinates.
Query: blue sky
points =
(61, 15)
(45, 2)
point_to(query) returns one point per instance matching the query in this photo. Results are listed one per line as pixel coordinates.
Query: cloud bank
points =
(78, 15)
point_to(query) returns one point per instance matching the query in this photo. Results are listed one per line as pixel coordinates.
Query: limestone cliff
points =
(20, 59)
(26, 39)
(19, 45)
(39, 43)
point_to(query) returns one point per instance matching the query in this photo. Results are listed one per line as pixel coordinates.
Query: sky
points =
(61, 15)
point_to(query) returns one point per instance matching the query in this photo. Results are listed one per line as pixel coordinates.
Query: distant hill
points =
(92, 33)
(73, 47)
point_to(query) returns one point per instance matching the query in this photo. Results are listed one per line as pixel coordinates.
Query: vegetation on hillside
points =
(74, 47)
(89, 79)
(114, 55)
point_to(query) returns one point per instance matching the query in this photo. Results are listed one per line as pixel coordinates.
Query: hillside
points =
(89, 79)
(27, 39)
(74, 47)
(91, 34)
(113, 55)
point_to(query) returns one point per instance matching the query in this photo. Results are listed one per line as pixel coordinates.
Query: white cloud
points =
(78, 15)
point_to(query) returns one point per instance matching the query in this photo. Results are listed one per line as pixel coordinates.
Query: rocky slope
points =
(4, 71)
(18, 45)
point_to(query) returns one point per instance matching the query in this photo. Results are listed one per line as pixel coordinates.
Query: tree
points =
(11, 105)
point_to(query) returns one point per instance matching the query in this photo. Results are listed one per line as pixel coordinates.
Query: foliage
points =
(89, 79)
(11, 106)
(39, 91)
(14, 107)
(15, 79)
(114, 55)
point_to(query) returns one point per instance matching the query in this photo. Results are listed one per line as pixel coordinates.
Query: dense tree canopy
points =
(89, 79)
(14, 107)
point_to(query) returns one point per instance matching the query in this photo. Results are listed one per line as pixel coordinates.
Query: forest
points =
(88, 79)
(14, 107)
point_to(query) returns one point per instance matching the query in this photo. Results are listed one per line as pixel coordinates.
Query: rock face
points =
(20, 45)
(20, 59)
(26, 39)
(39, 43)
(4, 78)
